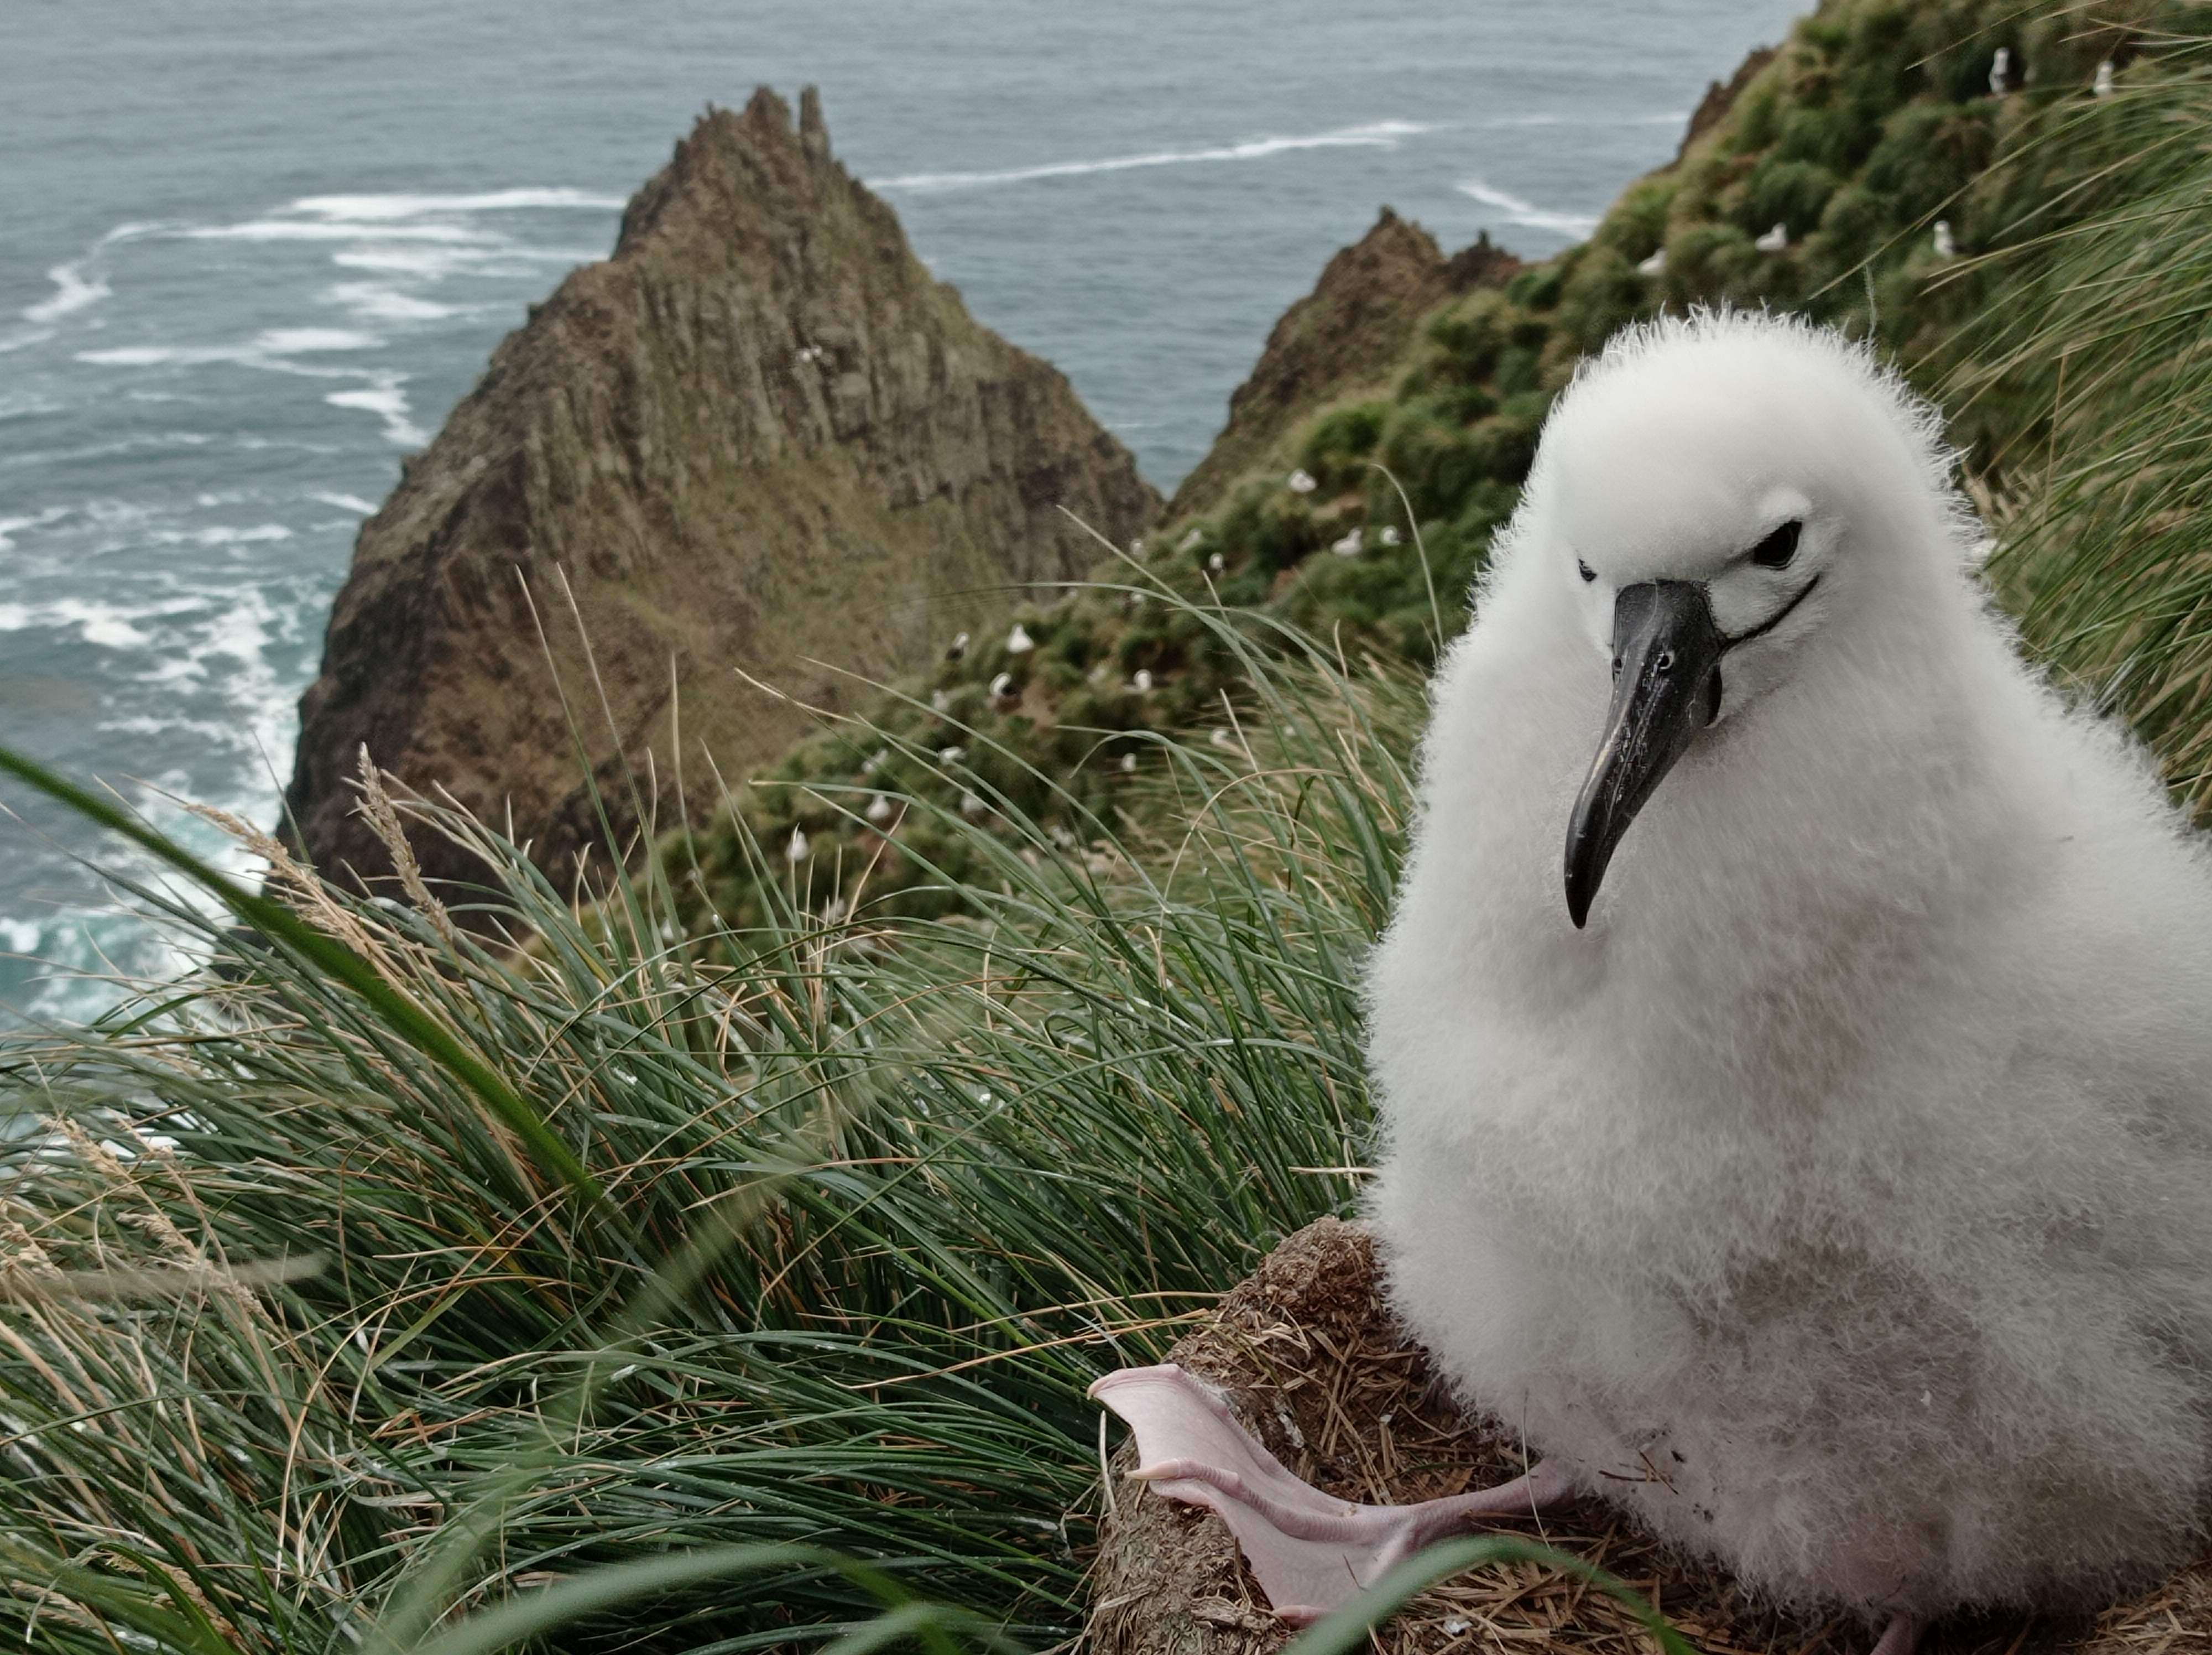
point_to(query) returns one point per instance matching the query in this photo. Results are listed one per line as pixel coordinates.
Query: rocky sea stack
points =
(759, 437)
(1345, 337)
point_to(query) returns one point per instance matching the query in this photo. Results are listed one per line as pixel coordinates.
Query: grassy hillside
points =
(384, 1290)
(1873, 122)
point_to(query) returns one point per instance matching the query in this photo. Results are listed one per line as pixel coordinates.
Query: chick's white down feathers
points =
(1840, 1200)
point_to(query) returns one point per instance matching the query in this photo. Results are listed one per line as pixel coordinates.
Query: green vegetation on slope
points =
(1874, 122)
(303, 1343)
(884, 1202)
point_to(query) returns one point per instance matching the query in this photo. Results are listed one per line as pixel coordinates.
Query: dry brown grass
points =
(1321, 1371)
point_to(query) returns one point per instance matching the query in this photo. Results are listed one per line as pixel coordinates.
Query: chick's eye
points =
(1778, 548)
(1585, 570)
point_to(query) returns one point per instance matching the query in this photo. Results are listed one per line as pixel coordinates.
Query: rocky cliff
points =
(1348, 335)
(759, 437)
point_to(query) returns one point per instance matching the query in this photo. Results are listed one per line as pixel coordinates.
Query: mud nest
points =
(1317, 1368)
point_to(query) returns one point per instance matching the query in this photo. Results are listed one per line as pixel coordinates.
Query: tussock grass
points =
(881, 1197)
(2103, 552)
(717, 1282)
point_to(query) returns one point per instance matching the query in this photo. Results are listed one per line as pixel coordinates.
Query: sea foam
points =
(360, 207)
(319, 229)
(298, 341)
(74, 290)
(385, 397)
(1377, 135)
(373, 301)
(1519, 211)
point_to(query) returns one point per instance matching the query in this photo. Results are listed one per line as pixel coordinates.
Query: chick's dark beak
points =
(1666, 688)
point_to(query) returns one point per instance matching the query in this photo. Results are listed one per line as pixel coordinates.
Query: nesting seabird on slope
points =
(1824, 1175)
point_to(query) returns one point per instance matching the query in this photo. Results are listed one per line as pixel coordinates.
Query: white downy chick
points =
(1819, 1176)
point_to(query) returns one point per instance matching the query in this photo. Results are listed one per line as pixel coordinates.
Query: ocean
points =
(251, 254)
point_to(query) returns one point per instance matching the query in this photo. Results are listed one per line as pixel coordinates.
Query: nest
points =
(1318, 1369)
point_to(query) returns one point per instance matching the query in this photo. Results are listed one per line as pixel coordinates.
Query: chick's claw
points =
(1310, 1551)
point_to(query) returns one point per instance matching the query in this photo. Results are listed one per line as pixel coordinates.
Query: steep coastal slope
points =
(1343, 337)
(916, 1197)
(1810, 180)
(758, 437)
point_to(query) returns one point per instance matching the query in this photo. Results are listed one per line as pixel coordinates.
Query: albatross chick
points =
(1821, 1170)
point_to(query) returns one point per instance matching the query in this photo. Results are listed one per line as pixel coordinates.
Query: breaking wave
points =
(1519, 211)
(1377, 135)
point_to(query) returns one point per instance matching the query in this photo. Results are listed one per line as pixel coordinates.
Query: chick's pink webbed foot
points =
(1310, 1550)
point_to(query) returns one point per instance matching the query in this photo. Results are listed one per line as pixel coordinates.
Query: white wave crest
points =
(161, 355)
(75, 288)
(377, 208)
(385, 399)
(373, 301)
(220, 534)
(108, 625)
(299, 341)
(325, 230)
(1578, 118)
(270, 350)
(1519, 211)
(352, 502)
(11, 527)
(1377, 135)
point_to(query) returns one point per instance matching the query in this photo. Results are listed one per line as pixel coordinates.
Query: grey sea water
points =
(251, 255)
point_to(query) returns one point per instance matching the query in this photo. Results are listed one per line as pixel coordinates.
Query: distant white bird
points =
(1128, 762)
(1301, 481)
(1350, 546)
(881, 810)
(1217, 563)
(1192, 541)
(959, 647)
(797, 850)
(2001, 72)
(1142, 682)
(1824, 1181)
(1389, 537)
(881, 756)
(1003, 686)
(940, 701)
(973, 807)
(1654, 265)
(1945, 246)
(1774, 240)
(1018, 641)
(950, 755)
(2102, 86)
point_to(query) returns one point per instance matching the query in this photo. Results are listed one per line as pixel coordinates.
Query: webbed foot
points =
(1310, 1550)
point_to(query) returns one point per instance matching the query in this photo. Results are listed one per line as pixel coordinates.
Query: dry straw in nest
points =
(1320, 1371)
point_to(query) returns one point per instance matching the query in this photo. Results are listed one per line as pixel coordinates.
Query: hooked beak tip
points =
(1666, 687)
